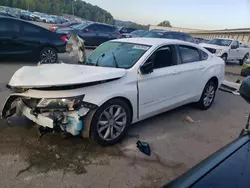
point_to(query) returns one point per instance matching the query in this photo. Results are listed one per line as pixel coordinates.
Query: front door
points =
(234, 52)
(158, 90)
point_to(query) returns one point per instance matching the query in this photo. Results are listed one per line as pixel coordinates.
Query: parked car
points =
(126, 30)
(135, 33)
(21, 38)
(228, 49)
(169, 35)
(200, 40)
(92, 33)
(64, 25)
(123, 81)
(26, 16)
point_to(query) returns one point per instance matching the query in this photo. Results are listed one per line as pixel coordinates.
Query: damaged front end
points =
(64, 114)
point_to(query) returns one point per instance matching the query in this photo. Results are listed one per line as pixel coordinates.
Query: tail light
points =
(120, 35)
(52, 28)
(64, 38)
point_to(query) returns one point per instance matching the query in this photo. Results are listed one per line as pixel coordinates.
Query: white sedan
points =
(124, 81)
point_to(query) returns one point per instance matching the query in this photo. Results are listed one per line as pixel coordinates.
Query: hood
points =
(48, 75)
(217, 47)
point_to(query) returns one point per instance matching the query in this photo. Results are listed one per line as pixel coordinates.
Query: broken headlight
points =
(69, 103)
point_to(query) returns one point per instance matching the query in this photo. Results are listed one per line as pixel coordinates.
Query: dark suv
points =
(168, 35)
(92, 33)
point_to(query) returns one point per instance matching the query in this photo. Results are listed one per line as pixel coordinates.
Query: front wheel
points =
(110, 122)
(224, 57)
(208, 95)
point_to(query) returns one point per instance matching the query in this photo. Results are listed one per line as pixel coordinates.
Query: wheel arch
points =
(215, 80)
(127, 101)
(88, 118)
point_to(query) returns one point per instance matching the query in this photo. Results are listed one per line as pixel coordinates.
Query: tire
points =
(48, 55)
(104, 123)
(245, 72)
(243, 61)
(205, 102)
(224, 57)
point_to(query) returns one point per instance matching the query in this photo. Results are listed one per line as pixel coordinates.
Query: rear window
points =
(189, 54)
(153, 34)
(28, 28)
(188, 38)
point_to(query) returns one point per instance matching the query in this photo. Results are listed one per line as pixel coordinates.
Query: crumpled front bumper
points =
(73, 125)
(41, 119)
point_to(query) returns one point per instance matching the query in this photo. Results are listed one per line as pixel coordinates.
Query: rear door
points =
(9, 36)
(105, 33)
(32, 37)
(190, 71)
(91, 35)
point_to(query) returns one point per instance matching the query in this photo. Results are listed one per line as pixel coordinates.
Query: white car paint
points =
(61, 75)
(232, 54)
(150, 94)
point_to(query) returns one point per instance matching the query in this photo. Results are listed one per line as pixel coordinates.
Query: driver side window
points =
(163, 57)
(235, 44)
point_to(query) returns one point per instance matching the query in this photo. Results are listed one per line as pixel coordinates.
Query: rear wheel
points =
(110, 122)
(244, 60)
(208, 95)
(48, 55)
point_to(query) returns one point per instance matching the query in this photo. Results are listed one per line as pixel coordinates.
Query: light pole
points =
(73, 8)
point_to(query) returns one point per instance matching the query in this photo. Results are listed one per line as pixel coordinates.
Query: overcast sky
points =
(204, 14)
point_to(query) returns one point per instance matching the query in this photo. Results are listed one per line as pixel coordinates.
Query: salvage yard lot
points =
(177, 145)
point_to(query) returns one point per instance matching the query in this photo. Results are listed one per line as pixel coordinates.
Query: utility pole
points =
(73, 8)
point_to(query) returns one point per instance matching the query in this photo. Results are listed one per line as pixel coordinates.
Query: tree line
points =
(58, 7)
(73, 7)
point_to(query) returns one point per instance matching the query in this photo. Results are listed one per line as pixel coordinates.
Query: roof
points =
(152, 41)
(225, 38)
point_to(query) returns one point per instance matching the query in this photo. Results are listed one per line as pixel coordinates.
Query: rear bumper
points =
(61, 48)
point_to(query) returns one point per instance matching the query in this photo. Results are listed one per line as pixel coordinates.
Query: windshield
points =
(153, 34)
(117, 54)
(220, 42)
(80, 26)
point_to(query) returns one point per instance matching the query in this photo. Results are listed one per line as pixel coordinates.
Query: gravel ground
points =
(177, 145)
(27, 161)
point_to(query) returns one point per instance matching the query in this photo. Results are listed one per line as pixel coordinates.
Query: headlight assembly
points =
(69, 103)
(218, 51)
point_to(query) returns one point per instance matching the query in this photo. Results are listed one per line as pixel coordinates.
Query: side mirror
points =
(147, 67)
(85, 30)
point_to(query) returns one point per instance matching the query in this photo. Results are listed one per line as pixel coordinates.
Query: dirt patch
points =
(52, 151)
(73, 154)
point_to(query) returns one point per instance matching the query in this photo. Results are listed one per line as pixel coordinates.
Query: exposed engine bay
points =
(64, 114)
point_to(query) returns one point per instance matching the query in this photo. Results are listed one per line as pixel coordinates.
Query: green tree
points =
(165, 23)
(59, 7)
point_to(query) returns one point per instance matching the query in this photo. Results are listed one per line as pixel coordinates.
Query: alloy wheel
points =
(209, 95)
(112, 122)
(48, 56)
